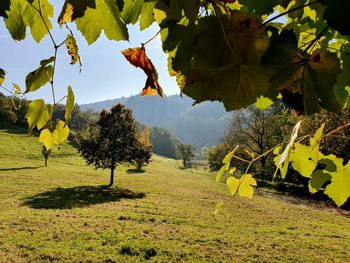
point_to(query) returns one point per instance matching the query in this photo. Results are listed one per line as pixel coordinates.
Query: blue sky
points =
(105, 73)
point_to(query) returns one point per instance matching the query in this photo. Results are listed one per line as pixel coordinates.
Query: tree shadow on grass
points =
(135, 171)
(20, 168)
(80, 196)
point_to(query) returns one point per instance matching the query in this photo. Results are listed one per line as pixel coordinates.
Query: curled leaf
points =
(73, 49)
(69, 104)
(138, 58)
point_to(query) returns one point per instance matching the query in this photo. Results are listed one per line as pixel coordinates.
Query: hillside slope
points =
(199, 125)
(59, 213)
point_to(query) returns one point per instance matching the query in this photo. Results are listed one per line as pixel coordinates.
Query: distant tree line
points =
(163, 141)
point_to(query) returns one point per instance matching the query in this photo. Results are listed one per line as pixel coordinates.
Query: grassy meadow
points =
(60, 214)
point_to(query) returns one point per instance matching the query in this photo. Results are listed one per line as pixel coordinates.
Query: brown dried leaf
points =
(138, 58)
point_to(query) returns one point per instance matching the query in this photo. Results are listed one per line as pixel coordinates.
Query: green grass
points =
(59, 213)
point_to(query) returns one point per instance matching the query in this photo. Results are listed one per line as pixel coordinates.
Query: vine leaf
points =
(73, 9)
(232, 73)
(105, 17)
(2, 76)
(131, 11)
(37, 115)
(244, 185)
(318, 179)
(61, 133)
(138, 58)
(262, 103)
(23, 13)
(66, 14)
(146, 15)
(341, 88)
(73, 49)
(69, 104)
(46, 138)
(339, 187)
(40, 76)
(227, 162)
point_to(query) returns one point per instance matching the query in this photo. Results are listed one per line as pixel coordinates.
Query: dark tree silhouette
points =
(113, 140)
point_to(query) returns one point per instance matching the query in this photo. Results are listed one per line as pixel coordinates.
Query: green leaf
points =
(46, 62)
(37, 115)
(146, 16)
(263, 103)
(2, 76)
(341, 88)
(46, 138)
(260, 7)
(105, 17)
(318, 179)
(339, 188)
(301, 160)
(39, 77)
(131, 11)
(231, 74)
(61, 133)
(22, 14)
(69, 104)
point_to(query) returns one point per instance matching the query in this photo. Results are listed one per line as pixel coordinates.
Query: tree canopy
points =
(113, 140)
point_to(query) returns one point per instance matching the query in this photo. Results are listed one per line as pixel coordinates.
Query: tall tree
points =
(113, 140)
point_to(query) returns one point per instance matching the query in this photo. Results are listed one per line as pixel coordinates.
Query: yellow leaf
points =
(233, 184)
(246, 186)
(69, 104)
(61, 133)
(46, 138)
(66, 14)
(73, 49)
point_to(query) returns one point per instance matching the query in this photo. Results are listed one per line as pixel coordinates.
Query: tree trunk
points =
(111, 181)
(45, 162)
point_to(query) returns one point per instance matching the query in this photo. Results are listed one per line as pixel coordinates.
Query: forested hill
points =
(199, 125)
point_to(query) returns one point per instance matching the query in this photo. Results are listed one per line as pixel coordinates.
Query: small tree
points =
(186, 153)
(113, 140)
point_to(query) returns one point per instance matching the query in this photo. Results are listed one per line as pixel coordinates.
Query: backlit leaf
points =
(60, 134)
(146, 16)
(66, 14)
(226, 161)
(23, 14)
(37, 115)
(69, 104)
(244, 186)
(73, 49)
(138, 58)
(263, 103)
(46, 138)
(39, 77)
(106, 17)
(131, 11)
(318, 179)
